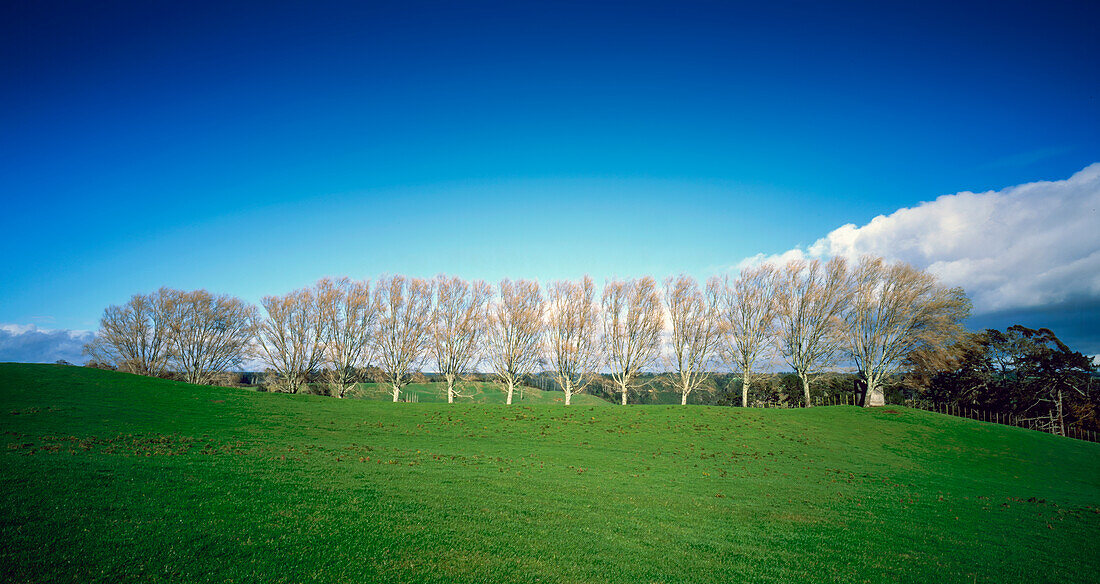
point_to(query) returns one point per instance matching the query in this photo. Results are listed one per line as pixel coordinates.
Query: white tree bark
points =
(747, 311)
(459, 325)
(572, 328)
(404, 327)
(349, 317)
(515, 331)
(694, 333)
(896, 310)
(210, 334)
(810, 301)
(632, 320)
(291, 337)
(136, 337)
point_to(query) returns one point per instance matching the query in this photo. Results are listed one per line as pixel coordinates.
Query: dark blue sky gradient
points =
(251, 148)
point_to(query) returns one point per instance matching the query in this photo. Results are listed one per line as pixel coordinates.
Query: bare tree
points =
(633, 319)
(897, 309)
(349, 317)
(459, 323)
(747, 311)
(515, 330)
(209, 334)
(291, 337)
(693, 317)
(571, 334)
(404, 327)
(811, 300)
(134, 337)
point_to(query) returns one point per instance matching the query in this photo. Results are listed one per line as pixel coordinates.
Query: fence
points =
(1040, 424)
(843, 399)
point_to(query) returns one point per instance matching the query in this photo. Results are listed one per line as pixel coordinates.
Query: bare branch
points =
(747, 311)
(810, 300)
(515, 332)
(209, 334)
(574, 351)
(404, 327)
(632, 323)
(291, 337)
(897, 309)
(459, 324)
(349, 318)
(135, 337)
(694, 334)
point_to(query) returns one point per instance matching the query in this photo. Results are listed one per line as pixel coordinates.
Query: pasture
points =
(110, 477)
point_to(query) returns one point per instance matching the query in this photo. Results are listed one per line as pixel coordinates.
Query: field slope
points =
(110, 477)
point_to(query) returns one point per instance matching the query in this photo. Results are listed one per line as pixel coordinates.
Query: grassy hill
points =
(110, 477)
(473, 392)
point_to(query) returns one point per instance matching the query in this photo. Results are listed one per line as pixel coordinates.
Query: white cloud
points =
(1031, 245)
(29, 344)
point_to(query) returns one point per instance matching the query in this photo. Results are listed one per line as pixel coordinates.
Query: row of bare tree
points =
(195, 334)
(812, 315)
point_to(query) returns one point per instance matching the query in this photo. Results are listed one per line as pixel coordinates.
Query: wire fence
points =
(842, 399)
(1039, 423)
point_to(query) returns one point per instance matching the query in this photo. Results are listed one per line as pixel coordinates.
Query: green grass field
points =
(108, 477)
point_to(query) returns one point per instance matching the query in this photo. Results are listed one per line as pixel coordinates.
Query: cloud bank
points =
(1028, 246)
(30, 344)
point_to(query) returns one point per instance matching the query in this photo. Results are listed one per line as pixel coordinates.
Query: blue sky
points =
(250, 149)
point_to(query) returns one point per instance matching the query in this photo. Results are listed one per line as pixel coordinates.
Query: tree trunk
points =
(568, 389)
(805, 388)
(624, 395)
(744, 391)
(450, 390)
(873, 396)
(684, 398)
(396, 391)
(511, 387)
